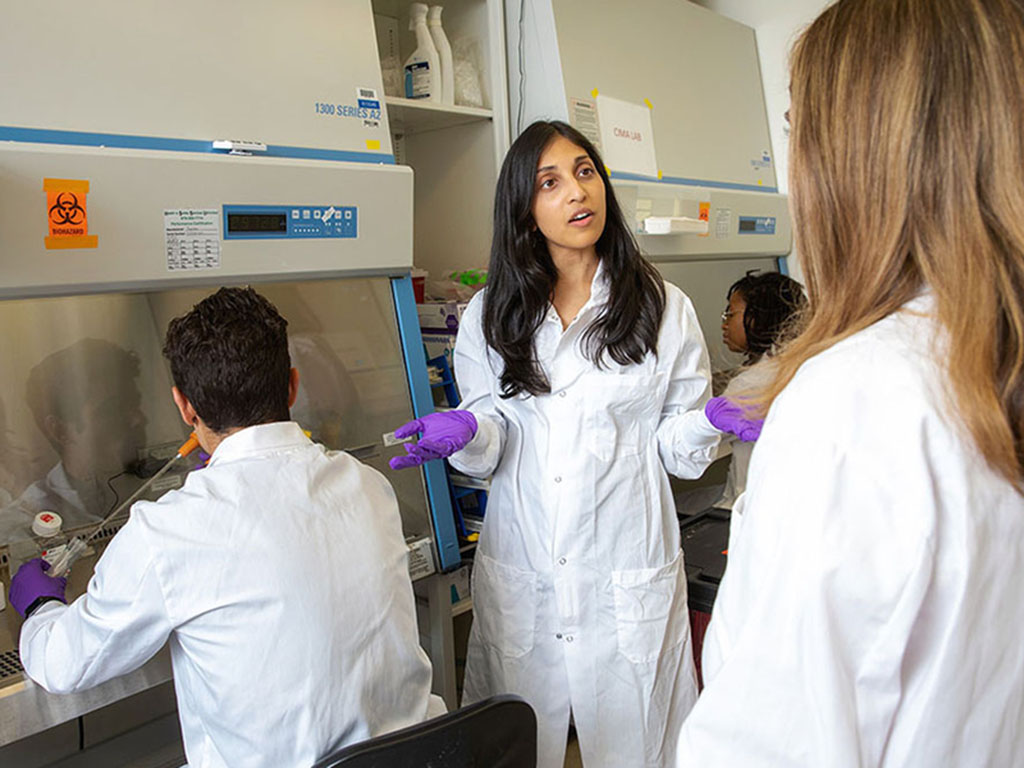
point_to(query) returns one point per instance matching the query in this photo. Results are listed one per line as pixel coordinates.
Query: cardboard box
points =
(438, 344)
(440, 316)
(460, 584)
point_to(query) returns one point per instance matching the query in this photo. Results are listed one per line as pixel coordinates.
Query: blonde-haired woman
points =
(872, 613)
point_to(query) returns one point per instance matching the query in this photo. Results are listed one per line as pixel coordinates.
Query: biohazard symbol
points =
(66, 210)
(67, 214)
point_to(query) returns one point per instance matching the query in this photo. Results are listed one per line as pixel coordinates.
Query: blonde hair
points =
(907, 150)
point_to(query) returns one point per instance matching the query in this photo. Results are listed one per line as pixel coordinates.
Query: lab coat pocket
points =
(622, 412)
(505, 605)
(650, 610)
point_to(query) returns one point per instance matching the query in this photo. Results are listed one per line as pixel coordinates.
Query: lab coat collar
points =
(599, 292)
(599, 288)
(260, 439)
(922, 304)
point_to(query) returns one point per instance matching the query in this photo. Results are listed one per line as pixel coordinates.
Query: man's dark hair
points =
(229, 357)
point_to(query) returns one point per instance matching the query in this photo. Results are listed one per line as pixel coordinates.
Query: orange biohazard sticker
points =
(705, 215)
(67, 215)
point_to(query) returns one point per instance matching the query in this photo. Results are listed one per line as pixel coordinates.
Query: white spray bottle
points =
(444, 53)
(423, 67)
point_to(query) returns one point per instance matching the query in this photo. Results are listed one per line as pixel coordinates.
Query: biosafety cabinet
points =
(150, 153)
(671, 94)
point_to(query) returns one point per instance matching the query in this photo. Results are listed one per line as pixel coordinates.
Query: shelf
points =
(462, 607)
(408, 116)
(465, 481)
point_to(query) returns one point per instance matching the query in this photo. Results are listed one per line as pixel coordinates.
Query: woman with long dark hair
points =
(584, 378)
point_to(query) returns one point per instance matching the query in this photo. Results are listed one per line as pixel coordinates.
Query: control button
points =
(348, 214)
(317, 214)
(305, 213)
(295, 213)
(330, 213)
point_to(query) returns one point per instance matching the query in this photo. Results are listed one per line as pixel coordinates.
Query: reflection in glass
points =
(14, 463)
(85, 401)
(89, 393)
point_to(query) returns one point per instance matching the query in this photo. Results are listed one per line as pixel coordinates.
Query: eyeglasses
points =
(727, 315)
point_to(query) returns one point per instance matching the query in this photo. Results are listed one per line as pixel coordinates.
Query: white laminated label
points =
(627, 136)
(192, 238)
(421, 560)
(417, 80)
(723, 218)
(583, 115)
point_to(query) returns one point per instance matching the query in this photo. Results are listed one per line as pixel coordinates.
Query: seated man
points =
(278, 573)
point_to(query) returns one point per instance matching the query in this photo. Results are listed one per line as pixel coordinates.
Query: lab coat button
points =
(561, 561)
(558, 479)
(568, 638)
(558, 636)
(562, 393)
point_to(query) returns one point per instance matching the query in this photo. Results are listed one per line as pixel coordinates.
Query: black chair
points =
(500, 732)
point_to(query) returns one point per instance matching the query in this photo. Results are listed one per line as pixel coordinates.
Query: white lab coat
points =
(747, 380)
(279, 576)
(872, 609)
(579, 590)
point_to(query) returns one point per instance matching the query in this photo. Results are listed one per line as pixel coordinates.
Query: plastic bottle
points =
(49, 539)
(444, 53)
(423, 67)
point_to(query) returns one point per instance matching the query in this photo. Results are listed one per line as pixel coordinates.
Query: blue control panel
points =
(291, 222)
(757, 225)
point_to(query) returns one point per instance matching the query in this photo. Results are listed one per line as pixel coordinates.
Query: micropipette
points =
(77, 546)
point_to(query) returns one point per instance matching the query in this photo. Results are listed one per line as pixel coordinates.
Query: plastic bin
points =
(705, 539)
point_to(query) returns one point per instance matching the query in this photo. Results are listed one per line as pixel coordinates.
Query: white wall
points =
(777, 24)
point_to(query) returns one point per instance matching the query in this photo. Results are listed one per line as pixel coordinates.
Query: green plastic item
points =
(470, 277)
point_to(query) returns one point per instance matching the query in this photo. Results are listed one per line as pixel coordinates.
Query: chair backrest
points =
(500, 732)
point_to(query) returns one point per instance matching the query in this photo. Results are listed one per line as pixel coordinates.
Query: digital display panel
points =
(748, 225)
(257, 222)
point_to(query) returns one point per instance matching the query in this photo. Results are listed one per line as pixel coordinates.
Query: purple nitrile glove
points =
(727, 416)
(31, 583)
(444, 433)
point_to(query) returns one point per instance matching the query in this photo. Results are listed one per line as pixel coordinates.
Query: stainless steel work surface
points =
(26, 709)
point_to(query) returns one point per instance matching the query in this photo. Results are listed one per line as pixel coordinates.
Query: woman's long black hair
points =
(522, 276)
